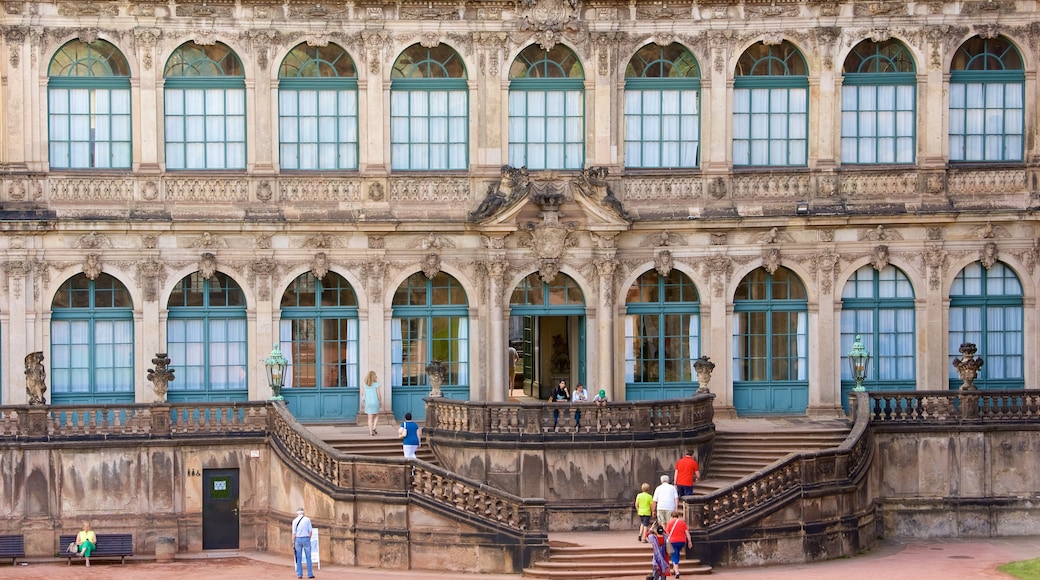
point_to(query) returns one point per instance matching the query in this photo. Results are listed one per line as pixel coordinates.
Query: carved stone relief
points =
(663, 262)
(320, 265)
(431, 265)
(879, 257)
(208, 241)
(989, 255)
(718, 268)
(207, 265)
(880, 234)
(92, 266)
(150, 274)
(93, 241)
(936, 262)
(771, 259)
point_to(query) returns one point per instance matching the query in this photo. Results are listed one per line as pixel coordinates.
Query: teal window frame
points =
(546, 109)
(430, 320)
(89, 110)
(429, 110)
(320, 315)
(318, 110)
(984, 79)
(662, 331)
(879, 105)
(767, 131)
(79, 311)
(771, 310)
(879, 307)
(219, 310)
(987, 309)
(662, 108)
(204, 109)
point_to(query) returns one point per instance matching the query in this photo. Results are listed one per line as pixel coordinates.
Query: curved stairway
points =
(356, 440)
(589, 555)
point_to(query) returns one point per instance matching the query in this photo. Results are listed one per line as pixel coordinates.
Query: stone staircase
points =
(357, 441)
(613, 559)
(743, 447)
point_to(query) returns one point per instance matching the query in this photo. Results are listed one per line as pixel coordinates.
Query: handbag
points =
(402, 432)
(72, 548)
(668, 547)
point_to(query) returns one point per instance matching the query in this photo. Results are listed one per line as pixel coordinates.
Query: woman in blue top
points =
(410, 429)
(371, 400)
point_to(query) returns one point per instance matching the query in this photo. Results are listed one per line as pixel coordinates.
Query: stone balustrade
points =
(61, 422)
(947, 407)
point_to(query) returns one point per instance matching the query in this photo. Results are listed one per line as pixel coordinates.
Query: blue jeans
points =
(303, 550)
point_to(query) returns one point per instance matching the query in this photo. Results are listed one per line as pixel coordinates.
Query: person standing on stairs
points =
(409, 433)
(371, 401)
(643, 511)
(687, 473)
(665, 500)
(678, 534)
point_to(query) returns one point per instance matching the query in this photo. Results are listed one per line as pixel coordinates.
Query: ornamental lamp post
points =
(276, 364)
(859, 358)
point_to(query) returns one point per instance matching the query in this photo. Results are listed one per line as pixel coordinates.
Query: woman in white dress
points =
(371, 400)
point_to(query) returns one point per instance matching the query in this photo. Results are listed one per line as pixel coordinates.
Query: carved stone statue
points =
(968, 366)
(436, 371)
(703, 367)
(513, 185)
(161, 376)
(35, 378)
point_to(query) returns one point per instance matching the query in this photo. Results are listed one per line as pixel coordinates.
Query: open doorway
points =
(549, 348)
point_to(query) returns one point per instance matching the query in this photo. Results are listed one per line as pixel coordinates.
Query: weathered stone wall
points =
(960, 481)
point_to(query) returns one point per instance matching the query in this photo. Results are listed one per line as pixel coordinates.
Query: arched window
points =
(205, 108)
(319, 337)
(88, 105)
(317, 109)
(92, 342)
(987, 95)
(771, 106)
(662, 107)
(771, 343)
(429, 110)
(206, 337)
(430, 323)
(879, 307)
(662, 336)
(878, 104)
(986, 309)
(547, 109)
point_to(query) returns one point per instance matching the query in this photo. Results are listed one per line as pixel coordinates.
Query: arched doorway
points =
(547, 325)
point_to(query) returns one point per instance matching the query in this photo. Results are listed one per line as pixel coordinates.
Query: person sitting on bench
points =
(86, 542)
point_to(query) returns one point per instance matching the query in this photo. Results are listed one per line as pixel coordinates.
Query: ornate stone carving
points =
(663, 262)
(161, 376)
(968, 366)
(376, 242)
(150, 274)
(262, 241)
(513, 185)
(988, 7)
(773, 236)
(92, 266)
(703, 367)
(827, 264)
(375, 273)
(263, 191)
(435, 242)
(549, 18)
(771, 259)
(376, 192)
(93, 241)
(494, 242)
(662, 239)
(936, 262)
(989, 255)
(989, 231)
(207, 265)
(321, 190)
(882, 8)
(719, 268)
(35, 378)
(321, 240)
(320, 265)
(592, 182)
(496, 271)
(717, 238)
(825, 236)
(879, 258)
(548, 268)
(150, 191)
(150, 242)
(224, 190)
(934, 233)
(208, 241)
(430, 189)
(672, 188)
(431, 265)
(880, 234)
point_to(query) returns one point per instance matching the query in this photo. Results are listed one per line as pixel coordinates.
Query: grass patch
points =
(1024, 569)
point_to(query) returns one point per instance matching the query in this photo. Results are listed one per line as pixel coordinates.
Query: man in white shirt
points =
(666, 500)
(302, 531)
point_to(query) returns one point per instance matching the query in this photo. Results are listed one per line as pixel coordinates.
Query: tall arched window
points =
(88, 106)
(317, 109)
(547, 109)
(771, 106)
(206, 337)
(430, 323)
(429, 110)
(986, 309)
(662, 336)
(878, 104)
(771, 343)
(662, 107)
(92, 342)
(319, 337)
(205, 108)
(987, 96)
(879, 307)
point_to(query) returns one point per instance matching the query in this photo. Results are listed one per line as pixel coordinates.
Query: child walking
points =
(643, 504)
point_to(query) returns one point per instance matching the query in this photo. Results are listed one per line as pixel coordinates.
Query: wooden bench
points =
(13, 547)
(108, 546)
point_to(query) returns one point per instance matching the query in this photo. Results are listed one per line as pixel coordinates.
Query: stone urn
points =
(703, 367)
(161, 376)
(968, 366)
(436, 371)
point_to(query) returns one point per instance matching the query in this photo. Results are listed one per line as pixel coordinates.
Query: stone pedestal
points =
(165, 549)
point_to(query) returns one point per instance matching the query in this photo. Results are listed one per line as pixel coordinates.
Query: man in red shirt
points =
(687, 472)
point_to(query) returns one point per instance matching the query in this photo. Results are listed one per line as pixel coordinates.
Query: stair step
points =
(614, 572)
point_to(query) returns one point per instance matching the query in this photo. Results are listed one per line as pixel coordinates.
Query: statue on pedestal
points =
(161, 376)
(35, 378)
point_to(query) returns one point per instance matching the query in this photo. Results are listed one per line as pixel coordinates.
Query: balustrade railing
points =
(481, 417)
(942, 407)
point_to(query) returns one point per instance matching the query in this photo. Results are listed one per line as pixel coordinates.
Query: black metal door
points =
(219, 509)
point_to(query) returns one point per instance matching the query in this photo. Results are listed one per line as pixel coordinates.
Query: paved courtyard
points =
(892, 560)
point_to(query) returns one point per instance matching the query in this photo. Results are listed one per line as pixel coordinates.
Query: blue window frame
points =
(88, 105)
(92, 342)
(207, 340)
(429, 110)
(430, 322)
(879, 307)
(662, 336)
(987, 102)
(986, 309)
(317, 109)
(662, 108)
(547, 109)
(205, 108)
(771, 107)
(771, 343)
(878, 104)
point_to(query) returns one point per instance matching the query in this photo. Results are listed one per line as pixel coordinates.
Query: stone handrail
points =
(952, 407)
(476, 501)
(627, 417)
(173, 420)
(763, 492)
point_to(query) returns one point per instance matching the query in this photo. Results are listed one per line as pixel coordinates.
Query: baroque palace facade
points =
(614, 189)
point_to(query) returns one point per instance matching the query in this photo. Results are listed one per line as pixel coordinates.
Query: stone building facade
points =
(615, 189)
